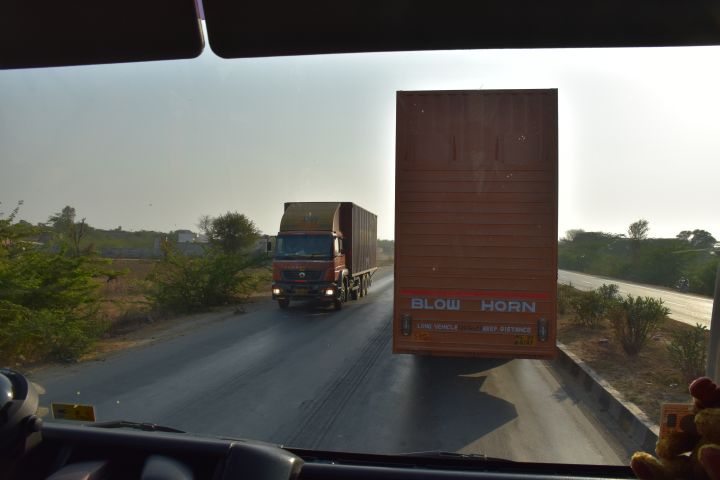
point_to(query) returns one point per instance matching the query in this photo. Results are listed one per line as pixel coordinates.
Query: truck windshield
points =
(304, 246)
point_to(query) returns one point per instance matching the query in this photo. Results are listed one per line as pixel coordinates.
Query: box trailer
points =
(476, 196)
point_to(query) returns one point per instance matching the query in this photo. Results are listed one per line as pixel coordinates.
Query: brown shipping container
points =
(362, 247)
(476, 182)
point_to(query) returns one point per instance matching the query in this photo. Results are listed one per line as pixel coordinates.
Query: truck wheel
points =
(284, 304)
(362, 289)
(354, 293)
(343, 297)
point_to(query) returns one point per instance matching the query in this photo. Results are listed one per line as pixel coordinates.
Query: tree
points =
(638, 230)
(702, 239)
(697, 238)
(204, 224)
(571, 234)
(232, 232)
(684, 235)
(62, 220)
(64, 223)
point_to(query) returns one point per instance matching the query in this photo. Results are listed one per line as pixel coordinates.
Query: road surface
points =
(684, 307)
(314, 378)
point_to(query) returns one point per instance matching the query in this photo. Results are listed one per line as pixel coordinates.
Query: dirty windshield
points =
(144, 271)
(308, 246)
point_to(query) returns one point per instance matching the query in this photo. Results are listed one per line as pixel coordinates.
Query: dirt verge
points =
(647, 380)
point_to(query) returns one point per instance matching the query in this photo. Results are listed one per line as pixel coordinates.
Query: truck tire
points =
(362, 290)
(343, 297)
(284, 304)
(354, 293)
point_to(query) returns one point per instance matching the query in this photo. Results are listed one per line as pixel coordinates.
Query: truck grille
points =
(310, 275)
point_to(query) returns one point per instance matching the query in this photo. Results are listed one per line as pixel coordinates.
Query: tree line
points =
(690, 256)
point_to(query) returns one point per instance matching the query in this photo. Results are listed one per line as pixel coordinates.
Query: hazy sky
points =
(157, 145)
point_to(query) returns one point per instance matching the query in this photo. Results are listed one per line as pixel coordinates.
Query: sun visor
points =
(45, 33)
(240, 28)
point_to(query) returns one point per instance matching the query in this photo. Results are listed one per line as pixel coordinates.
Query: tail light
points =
(406, 324)
(542, 329)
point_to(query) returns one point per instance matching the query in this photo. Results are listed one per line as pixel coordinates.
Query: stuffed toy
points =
(693, 450)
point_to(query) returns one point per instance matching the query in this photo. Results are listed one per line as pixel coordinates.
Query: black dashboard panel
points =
(129, 454)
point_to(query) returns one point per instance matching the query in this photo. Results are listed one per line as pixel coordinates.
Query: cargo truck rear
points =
(476, 223)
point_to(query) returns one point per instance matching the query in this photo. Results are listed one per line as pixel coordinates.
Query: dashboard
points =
(32, 449)
(70, 452)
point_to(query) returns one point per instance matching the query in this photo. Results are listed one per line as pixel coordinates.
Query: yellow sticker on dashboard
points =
(73, 411)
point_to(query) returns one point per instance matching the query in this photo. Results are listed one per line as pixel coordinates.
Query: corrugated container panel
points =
(476, 214)
(360, 228)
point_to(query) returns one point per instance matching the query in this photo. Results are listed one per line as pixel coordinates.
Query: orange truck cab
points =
(325, 251)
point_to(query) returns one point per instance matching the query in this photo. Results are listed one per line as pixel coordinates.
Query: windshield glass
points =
(138, 239)
(312, 246)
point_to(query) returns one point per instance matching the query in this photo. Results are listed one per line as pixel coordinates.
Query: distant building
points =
(186, 236)
(262, 242)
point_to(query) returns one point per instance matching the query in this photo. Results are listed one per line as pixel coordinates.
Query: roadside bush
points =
(609, 293)
(634, 319)
(48, 300)
(565, 294)
(183, 284)
(589, 308)
(35, 335)
(688, 350)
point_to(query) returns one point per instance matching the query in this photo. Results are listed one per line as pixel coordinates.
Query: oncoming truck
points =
(476, 223)
(325, 251)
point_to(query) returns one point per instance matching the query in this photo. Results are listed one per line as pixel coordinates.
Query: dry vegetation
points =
(648, 379)
(124, 304)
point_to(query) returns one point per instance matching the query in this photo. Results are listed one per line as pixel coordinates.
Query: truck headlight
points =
(329, 292)
(277, 291)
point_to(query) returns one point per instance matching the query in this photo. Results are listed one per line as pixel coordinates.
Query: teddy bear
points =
(681, 454)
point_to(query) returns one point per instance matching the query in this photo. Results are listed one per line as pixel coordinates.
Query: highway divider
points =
(626, 416)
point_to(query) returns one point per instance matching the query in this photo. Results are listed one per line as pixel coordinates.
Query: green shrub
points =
(48, 300)
(565, 294)
(589, 308)
(28, 335)
(688, 350)
(634, 319)
(182, 284)
(609, 293)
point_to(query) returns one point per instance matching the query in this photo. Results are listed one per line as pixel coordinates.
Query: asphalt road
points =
(684, 307)
(314, 378)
